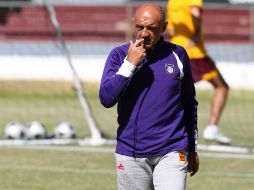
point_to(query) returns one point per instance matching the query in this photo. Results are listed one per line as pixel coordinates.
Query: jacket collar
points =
(157, 49)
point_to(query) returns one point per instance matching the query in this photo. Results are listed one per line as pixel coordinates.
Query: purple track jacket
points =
(156, 105)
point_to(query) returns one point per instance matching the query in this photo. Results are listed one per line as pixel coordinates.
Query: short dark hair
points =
(163, 14)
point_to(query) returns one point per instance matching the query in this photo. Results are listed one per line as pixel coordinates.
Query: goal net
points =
(40, 41)
(42, 75)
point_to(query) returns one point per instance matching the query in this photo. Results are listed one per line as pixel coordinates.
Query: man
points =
(185, 29)
(150, 80)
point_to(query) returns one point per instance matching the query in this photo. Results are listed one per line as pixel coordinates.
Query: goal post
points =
(46, 49)
(43, 60)
(96, 136)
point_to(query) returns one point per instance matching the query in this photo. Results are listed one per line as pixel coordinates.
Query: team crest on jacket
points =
(169, 68)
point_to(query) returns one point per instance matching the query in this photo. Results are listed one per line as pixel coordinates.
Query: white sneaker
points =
(211, 133)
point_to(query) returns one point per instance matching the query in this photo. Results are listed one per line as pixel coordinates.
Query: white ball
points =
(37, 130)
(64, 131)
(15, 130)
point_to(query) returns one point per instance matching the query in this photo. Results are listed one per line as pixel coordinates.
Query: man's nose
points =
(144, 32)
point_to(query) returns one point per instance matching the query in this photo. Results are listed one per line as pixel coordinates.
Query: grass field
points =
(79, 168)
(33, 169)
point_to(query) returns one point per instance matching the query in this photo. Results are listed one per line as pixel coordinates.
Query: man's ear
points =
(165, 26)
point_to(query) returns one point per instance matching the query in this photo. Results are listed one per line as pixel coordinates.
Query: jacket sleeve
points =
(189, 101)
(116, 75)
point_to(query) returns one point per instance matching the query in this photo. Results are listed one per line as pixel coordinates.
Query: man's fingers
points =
(139, 42)
(136, 52)
(192, 170)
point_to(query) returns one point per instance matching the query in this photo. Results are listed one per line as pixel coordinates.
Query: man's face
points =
(148, 26)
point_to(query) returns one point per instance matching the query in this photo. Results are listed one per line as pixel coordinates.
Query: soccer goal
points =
(42, 76)
(52, 57)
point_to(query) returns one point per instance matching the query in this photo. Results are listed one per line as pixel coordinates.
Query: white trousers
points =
(166, 172)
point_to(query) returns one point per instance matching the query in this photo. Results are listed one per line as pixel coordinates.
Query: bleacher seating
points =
(227, 25)
(77, 23)
(110, 23)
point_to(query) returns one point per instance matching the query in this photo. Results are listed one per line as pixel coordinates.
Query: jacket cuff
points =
(127, 69)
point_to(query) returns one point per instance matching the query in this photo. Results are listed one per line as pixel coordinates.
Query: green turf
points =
(237, 119)
(52, 102)
(41, 170)
(22, 169)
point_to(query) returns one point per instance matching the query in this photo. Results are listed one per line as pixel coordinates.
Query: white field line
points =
(226, 174)
(58, 170)
(88, 141)
(65, 148)
(224, 148)
(226, 155)
(112, 172)
(111, 150)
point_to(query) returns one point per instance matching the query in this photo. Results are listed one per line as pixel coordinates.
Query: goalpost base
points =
(81, 142)
(96, 141)
(23, 142)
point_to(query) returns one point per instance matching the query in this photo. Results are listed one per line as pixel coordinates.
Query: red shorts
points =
(203, 69)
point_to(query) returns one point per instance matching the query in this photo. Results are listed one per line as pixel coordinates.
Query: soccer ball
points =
(15, 130)
(36, 130)
(64, 131)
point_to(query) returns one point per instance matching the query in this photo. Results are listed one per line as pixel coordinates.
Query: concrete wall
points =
(90, 68)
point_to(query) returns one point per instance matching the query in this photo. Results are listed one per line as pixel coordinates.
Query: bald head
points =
(150, 22)
(150, 9)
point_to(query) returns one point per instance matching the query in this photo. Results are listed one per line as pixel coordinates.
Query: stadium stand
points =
(78, 23)
(232, 25)
(110, 23)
